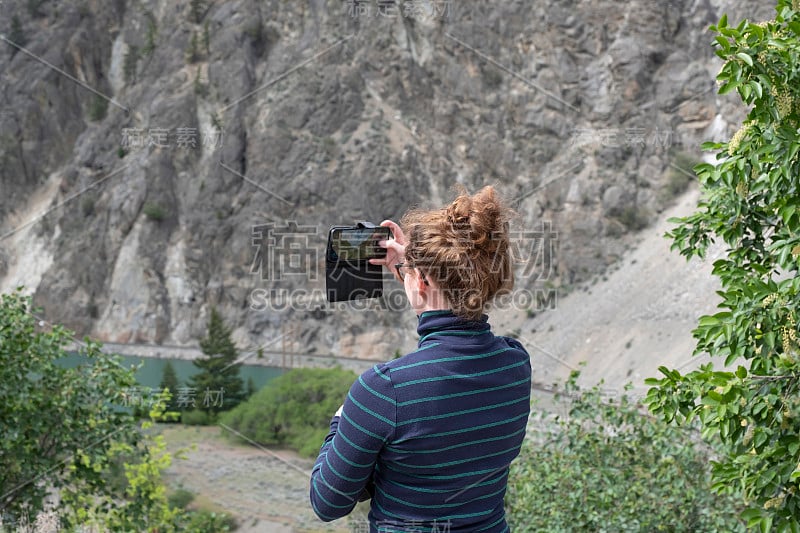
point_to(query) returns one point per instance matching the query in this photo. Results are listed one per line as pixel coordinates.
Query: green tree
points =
(218, 385)
(607, 466)
(251, 387)
(293, 409)
(169, 381)
(751, 202)
(65, 429)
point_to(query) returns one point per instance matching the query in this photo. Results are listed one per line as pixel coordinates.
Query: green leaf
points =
(757, 89)
(746, 58)
(728, 87)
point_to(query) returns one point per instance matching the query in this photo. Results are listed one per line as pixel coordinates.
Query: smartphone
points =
(348, 272)
(358, 244)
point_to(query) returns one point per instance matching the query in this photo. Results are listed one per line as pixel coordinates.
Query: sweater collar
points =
(432, 322)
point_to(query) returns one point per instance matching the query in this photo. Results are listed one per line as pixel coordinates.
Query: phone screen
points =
(359, 244)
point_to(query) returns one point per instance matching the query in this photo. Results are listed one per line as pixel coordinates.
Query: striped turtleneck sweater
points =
(430, 435)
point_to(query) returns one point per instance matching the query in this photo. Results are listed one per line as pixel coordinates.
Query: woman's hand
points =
(395, 249)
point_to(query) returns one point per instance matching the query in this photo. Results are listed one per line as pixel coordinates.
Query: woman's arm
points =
(348, 456)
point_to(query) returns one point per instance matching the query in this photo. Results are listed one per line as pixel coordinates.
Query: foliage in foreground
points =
(293, 409)
(751, 202)
(609, 467)
(65, 429)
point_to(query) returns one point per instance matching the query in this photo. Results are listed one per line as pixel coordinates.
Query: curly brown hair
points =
(464, 248)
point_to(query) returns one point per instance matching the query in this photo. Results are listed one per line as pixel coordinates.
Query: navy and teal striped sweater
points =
(431, 433)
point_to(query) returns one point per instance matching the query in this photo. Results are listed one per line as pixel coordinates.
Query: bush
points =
(294, 409)
(98, 109)
(130, 64)
(679, 177)
(195, 417)
(180, 498)
(608, 467)
(634, 218)
(210, 522)
(17, 35)
(155, 212)
(68, 430)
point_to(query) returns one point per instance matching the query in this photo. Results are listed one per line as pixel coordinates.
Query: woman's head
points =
(463, 250)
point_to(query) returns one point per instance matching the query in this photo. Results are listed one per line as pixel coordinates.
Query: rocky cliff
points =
(161, 157)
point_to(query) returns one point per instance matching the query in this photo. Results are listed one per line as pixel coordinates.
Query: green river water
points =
(149, 375)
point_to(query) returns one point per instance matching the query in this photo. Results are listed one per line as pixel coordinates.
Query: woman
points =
(430, 436)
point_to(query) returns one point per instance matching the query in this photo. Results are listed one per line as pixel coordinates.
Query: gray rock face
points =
(305, 113)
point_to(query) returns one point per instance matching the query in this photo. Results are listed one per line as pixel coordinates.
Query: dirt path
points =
(263, 493)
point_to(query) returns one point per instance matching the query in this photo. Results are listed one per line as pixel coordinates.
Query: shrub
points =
(609, 467)
(293, 409)
(87, 206)
(150, 37)
(180, 498)
(17, 35)
(210, 522)
(33, 7)
(200, 88)
(679, 177)
(206, 39)
(197, 10)
(98, 108)
(195, 417)
(130, 64)
(154, 212)
(193, 50)
(634, 218)
(67, 430)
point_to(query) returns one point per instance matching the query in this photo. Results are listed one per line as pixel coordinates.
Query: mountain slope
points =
(244, 113)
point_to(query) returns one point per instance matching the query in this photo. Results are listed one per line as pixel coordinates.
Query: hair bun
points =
(464, 248)
(459, 212)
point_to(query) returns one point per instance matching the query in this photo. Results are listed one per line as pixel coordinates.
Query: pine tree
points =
(169, 380)
(217, 385)
(251, 387)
